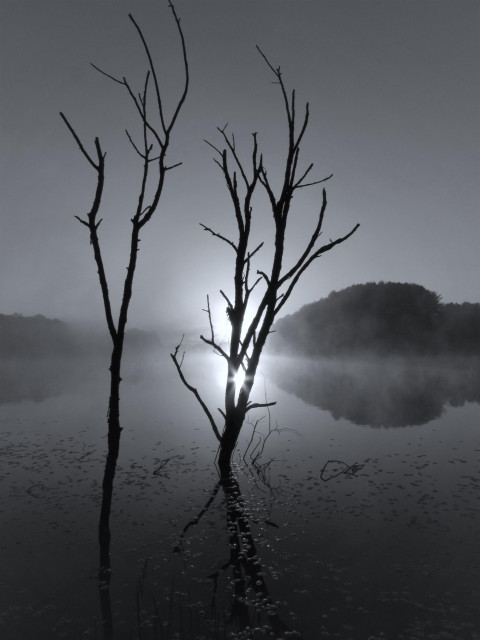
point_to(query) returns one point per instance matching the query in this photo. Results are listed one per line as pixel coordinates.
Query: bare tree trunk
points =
(233, 426)
(115, 379)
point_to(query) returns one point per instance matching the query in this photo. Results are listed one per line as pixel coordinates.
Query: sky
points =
(394, 94)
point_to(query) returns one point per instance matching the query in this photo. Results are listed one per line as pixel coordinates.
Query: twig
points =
(196, 519)
(348, 470)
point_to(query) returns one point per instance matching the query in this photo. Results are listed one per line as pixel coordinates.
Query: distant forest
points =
(41, 337)
(385, 318)
(380, 318)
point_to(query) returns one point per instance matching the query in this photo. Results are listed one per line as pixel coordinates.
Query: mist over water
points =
(380, 392)
(357, 528)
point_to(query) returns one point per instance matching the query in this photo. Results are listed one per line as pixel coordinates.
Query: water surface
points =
(360, 518)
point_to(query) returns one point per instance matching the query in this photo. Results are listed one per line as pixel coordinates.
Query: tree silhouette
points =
(152, 150)
(247, 340)
(381, 318)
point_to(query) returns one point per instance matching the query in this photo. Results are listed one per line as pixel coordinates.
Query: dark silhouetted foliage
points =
(35, 336)
(40, 337)
(381, 318)
(460, 327)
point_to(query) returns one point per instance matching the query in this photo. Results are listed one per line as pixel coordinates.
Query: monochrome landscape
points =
(239, 320)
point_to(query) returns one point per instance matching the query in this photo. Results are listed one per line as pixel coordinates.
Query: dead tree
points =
(247, 342)
(156, 131)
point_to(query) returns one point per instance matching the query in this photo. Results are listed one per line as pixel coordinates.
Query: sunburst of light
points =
(239, 378)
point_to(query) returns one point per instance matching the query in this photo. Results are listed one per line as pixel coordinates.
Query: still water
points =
(357, 518)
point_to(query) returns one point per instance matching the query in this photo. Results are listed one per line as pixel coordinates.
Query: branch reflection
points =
(104, 535)
(250, 607)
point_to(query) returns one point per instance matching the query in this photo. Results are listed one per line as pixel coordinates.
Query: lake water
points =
(359, 520)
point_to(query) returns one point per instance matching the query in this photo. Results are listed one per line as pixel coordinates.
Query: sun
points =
(221, 371)
(239, 378)
(221, 321)
(222, 330)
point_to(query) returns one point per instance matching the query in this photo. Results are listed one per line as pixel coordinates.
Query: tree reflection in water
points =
(252, 611)
(242, 609)
(104, 535)
(381, 393)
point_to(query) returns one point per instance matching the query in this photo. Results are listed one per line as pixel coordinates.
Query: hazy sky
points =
(394, 94)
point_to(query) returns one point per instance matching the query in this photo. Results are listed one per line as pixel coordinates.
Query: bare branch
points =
(310, 184)
(266, 184)
(313, 257)
(275, 71)
(77, 140)
(231, 146)
(186, 68)
(218, 235)
(218, 349)
(230, 305)
(314, 237)
(82, 221)
(264, 276)
(178, 366)
(93, 225)
(304, 127)
(254, 425)
(232, 187)
(252, 253)
(278, 74)
(108, 75)
(259, 405)
(299, 185)
(167, 127)
(173, 166)
(141, 108)
(250, 289)
(213, 147)
(134, 145)
(152, 69)
(212, 341)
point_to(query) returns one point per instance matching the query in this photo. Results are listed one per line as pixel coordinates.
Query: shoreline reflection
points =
(379, 393)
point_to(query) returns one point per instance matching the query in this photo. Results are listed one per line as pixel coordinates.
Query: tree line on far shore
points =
(384, 318)
(380, 318)
(40, 337)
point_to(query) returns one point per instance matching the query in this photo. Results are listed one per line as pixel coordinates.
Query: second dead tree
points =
(156, 134)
